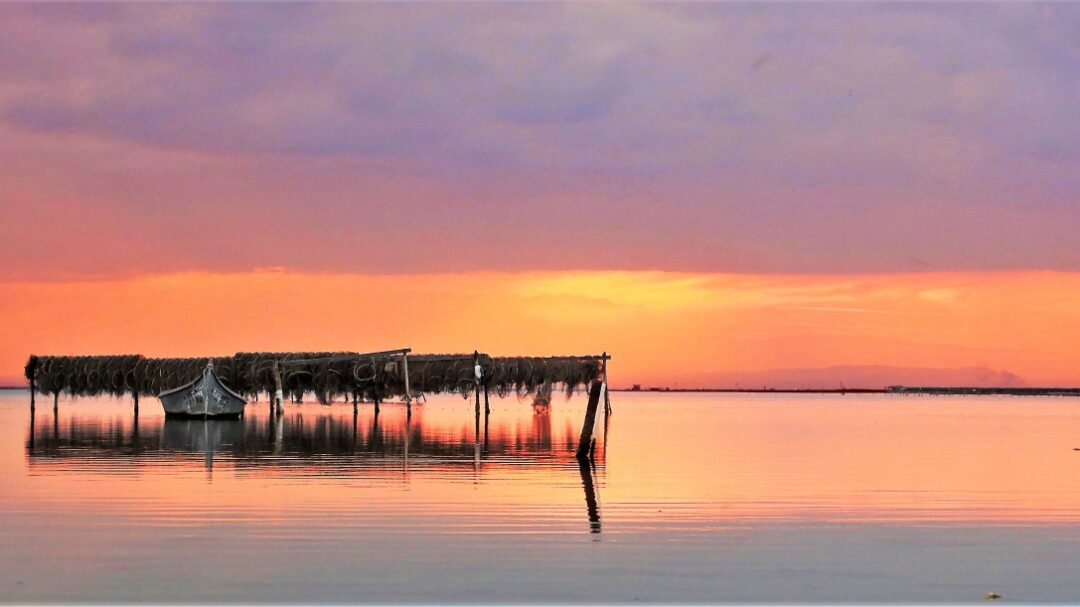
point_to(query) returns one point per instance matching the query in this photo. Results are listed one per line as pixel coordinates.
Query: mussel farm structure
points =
(328, 376)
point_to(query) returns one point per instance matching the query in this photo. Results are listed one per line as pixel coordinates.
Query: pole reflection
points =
(591, 505)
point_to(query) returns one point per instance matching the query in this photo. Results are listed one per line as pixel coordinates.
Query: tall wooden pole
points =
(477, 375)
(279, 394)
(405, 372)
(585, 442)
(607, 401)
(485, 433)
(33, 382)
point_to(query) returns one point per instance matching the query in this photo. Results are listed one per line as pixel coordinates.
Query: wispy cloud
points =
(613, 136)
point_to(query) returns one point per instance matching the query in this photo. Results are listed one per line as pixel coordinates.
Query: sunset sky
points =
(718, 195)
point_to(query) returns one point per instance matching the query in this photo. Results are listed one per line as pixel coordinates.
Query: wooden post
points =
(278, 392)
(477, 375)
(607, 418)
(607, 401)
(405, 372)
(485, 433)
(33, 386)
(585, 442)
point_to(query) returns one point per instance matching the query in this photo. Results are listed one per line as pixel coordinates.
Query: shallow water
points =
(692, 497)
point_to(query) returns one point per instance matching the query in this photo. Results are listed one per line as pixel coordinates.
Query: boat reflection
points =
(316, 440)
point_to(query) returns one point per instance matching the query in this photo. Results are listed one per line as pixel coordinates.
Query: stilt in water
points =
(408, 392)
(585, 442)
(607, 400)
(607, 419)
(279, 395)
(354, 416)
(485, 432)
(32, 372)
(478, 374)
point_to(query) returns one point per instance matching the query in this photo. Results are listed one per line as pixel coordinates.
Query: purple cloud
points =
(809, 138)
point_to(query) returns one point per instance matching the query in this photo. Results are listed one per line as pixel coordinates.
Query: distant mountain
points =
(855, 376)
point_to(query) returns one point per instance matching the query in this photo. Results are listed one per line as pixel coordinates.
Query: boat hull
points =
(206, 397)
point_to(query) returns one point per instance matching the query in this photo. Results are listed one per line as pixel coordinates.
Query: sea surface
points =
(690, 498)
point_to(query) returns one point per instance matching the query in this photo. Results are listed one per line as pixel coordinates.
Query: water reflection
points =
(315, 440)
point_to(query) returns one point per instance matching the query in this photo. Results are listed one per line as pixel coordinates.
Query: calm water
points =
(691, 498)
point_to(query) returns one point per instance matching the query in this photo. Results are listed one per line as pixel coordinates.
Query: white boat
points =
(206, 396)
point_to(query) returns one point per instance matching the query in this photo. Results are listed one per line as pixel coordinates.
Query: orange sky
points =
(661, 327)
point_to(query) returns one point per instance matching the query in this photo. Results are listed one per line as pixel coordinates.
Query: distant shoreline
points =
(761, 390)
(927, 390)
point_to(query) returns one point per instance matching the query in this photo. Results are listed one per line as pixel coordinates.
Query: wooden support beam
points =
(32, 368)
(279, 394)
(478, 374)
(607, 400)
(585, 442)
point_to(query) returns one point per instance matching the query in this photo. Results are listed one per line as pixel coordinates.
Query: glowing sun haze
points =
(717, 194)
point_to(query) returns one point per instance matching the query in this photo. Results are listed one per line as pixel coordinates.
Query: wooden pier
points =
(331, 376)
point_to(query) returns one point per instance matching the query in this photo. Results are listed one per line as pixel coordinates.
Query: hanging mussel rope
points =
(326, 375)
